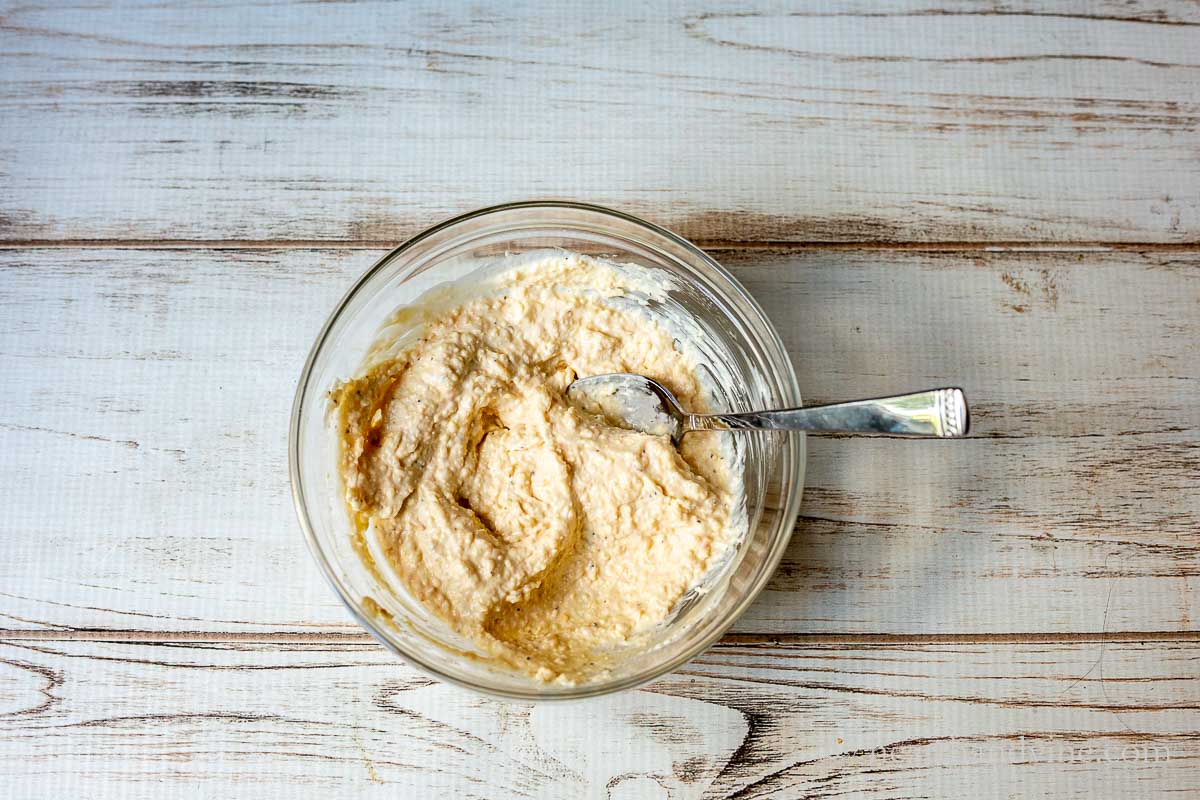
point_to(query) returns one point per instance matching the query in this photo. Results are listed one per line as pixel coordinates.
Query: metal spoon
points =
(637, 403)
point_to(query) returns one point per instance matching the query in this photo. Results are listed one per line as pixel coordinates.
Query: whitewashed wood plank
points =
(143, 475)
(892, 121)
(144, 721)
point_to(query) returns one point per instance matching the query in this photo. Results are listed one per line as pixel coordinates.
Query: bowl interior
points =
(732, 341)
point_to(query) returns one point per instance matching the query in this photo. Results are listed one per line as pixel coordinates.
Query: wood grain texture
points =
(863, 121)
(147, 721)
(143, 475)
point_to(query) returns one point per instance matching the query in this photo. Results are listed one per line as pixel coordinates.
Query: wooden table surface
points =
(1004, 197)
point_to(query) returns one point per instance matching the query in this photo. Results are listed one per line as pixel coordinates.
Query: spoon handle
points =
(938, 413)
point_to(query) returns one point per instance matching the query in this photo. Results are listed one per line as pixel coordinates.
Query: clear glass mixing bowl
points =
(739, 347)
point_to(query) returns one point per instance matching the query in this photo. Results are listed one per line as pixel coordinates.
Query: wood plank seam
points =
(729, 640)
(1014, 246)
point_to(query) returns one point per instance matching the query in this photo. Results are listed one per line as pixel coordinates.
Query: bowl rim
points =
(793, 454)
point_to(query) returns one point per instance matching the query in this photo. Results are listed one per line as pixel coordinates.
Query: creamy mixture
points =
(537, 530)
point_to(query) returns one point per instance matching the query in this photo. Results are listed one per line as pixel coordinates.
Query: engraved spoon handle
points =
(938, 413)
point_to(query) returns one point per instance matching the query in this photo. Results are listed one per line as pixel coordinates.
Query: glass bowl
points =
(740, 349)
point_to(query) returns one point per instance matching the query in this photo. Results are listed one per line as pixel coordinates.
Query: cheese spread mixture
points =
(540, 532)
